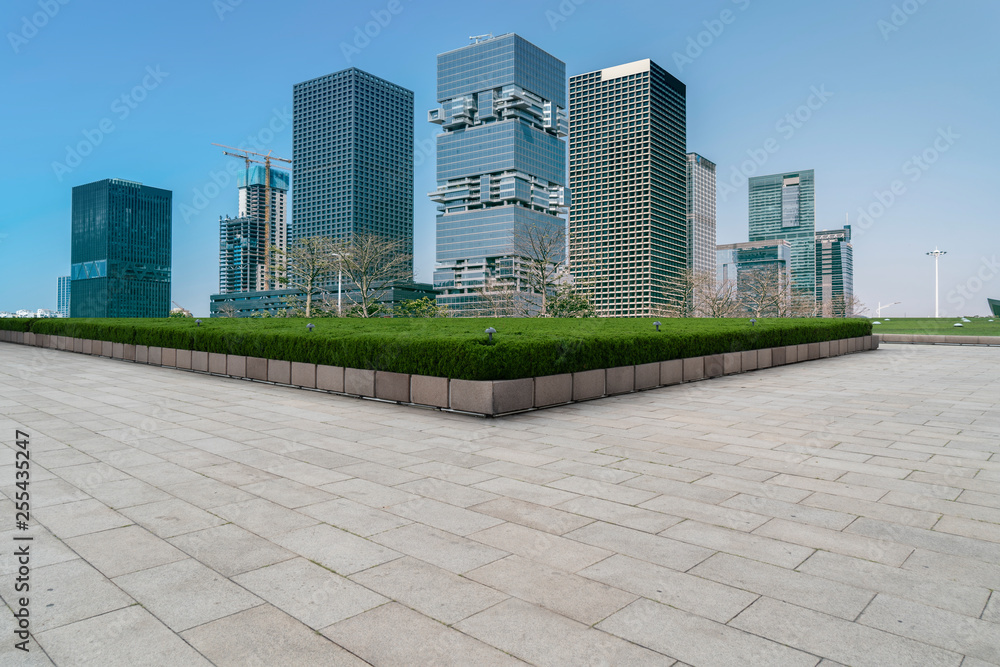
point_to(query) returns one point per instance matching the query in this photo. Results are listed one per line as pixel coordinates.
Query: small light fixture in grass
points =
(197, 323)
(958, 324)
(753, 321)
(310, 326)
(657, 325)
(490, 332)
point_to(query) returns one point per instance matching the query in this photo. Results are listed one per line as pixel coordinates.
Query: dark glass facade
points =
(835, 272)
(352, 147)
(120, 250)
(783, 206)
(628, 225)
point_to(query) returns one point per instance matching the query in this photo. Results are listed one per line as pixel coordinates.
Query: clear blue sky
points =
(892, 85)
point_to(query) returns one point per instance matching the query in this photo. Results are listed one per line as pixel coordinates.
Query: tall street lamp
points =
(936, 254)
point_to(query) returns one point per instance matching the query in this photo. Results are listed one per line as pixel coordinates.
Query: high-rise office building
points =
(628, 224)
(120, 250)
(501, 167)
(701, 214)
(63, 296)
(241, 239)
(835, 272)
(761, 273)
(783, 206)
(352, 147)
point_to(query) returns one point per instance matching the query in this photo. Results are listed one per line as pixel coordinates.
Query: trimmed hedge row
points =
(457, 347)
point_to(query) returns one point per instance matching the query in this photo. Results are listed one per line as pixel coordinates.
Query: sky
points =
(893, 103)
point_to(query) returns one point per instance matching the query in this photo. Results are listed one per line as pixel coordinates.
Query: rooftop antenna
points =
(475, 39)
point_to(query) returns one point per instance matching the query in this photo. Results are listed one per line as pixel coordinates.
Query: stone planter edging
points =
(489, 398)
(916, 339)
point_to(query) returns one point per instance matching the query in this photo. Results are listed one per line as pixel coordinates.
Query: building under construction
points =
(242, 247)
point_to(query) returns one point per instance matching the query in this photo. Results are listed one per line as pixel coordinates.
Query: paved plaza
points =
(841, 511)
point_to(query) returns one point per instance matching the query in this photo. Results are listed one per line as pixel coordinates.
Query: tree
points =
(717, 298)
(542, 249)
(424, 307)
(570, 302)
(306, 266)
(227, 310)
(374, 264)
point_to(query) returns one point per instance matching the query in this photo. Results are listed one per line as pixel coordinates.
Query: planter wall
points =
(487, 398)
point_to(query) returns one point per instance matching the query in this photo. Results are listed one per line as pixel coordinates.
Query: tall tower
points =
(835, 272)
(121, 250)
(783, 206)
(352, 147)
(63, 296)
(701, 214)
(628, 171)
(501, 166)
(242, 262)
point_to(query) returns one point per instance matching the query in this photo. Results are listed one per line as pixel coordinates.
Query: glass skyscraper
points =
(783, 206)
(120, 250)
(629, 240)
(701, 214)
(352, 147)
(63, 296)
(835, 272)
(241, 239)
(501, 165)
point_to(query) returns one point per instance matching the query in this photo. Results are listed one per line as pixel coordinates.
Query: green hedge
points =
(457, 347)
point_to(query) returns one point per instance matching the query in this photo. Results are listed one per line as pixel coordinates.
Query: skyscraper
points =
(63, 296)
(501, 166)
(241, 239)
(701, 214)
(783, 206)
(120, 250)
(352, 147)
(835, 272)
(628, 224)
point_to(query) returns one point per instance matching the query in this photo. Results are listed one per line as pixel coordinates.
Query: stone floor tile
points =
(541, 547)
(128, 493)
(450, 473)
(207, 493)
(825, 595)
(715, 515)
(696, 640)
(927, 539)
(665, 551)
(573, 596)
(46, 549)
(873, 510)
(532, 493)
(129, 636)
(877, 548)
(825, 486)
(542, 637)
(379, 474)
(539, 517)
(749, 545)
(443, 516)
(311, 593)
(49, 492)
(89, 475)
(447, 492)
(393, 635)
(677, 489)
(768, 489)
(230, 550)
(604, 490)
(354, 517)
(10, 654)
(336, 549)
(68, 592)
(801, 513)
(287, 493)
(433, 591)
(123, 550)
(524, 473)
(263, 517)
(168, 518)
(979, 530)
(79, 518)
(235, 474)
(843, 641)
(186, 594)
(368, 493)
(265, 636)
(446, 550)
(695, 594)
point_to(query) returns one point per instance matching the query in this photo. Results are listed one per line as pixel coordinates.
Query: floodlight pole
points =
(936, 254)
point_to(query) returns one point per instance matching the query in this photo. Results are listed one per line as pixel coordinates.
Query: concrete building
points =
(835, 272)
(121, 250)
(701, 200)
(501, 167)
(783, 206)
(628, 226)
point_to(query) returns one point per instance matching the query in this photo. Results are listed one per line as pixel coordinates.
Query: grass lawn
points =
(941, 326)
(457, 347)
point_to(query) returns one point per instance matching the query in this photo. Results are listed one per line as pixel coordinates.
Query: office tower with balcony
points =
(501, 171)
(835, 272)
(121, 235)
(352, 147)
(63, 296)
(628, 226)
(783, 206)
(241, 239)
(701, 214)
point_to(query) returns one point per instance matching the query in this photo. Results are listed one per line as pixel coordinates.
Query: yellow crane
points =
(245, 155)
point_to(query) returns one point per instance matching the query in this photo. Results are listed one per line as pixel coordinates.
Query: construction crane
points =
(244, 155)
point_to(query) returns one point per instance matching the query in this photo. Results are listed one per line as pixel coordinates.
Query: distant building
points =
(501, 167)
(628, 226)
(835, 272)
(242, 264)
(746, 263)
(273, 302)
(994, 305)
(701, 196)
(783, 206)
(352, 147)
(63, 294)
(120, 250)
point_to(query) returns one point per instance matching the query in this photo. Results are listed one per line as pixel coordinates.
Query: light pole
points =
(878, 311)
(936, 254)
(340, 280)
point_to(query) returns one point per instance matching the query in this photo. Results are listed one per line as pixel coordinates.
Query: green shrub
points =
(457, 347)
